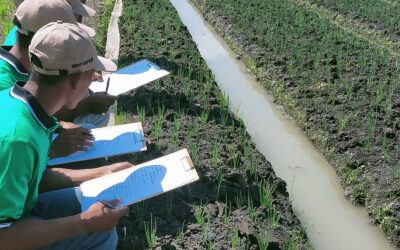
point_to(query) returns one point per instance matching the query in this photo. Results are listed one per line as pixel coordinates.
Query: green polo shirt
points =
(25, 132)
(11, 70)
(11, 37)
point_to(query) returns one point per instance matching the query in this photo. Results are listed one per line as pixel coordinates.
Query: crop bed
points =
(379, 14)
(340, 86)
(238, 202)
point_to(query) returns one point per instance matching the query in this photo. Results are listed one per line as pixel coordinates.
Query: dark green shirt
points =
(25, 132)
(11, 70)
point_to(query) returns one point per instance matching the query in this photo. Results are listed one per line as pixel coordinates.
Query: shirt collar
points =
(41, 116)
(13, 61)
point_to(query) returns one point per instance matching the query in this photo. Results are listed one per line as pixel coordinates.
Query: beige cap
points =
(18, 2)
(64, 49)
(81, 9)
(31, 15)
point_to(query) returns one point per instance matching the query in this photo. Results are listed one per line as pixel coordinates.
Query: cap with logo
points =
(31, 15)
(64, 49)
(81, 9)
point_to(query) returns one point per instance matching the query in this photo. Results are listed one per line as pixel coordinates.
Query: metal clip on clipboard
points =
(138, 135)
(187, 163)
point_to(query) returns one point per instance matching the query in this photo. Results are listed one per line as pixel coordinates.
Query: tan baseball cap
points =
(64, 49)
(31, 15)
(18, 2)
(81, 9)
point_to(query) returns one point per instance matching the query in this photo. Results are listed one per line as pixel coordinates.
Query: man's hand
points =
(98, 103)
(99, 218)
(70, 141)
(68, 125)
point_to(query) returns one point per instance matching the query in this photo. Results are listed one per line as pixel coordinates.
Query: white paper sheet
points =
(109, 141)
(141, 182)
(129, 78)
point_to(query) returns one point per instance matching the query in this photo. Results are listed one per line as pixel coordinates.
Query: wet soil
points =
(225, 209)
(371, 176)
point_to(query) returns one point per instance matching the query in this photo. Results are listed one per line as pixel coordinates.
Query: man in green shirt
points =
(94, 109)
(63, 61)
(15, 66)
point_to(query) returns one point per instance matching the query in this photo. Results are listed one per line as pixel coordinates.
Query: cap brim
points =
(17, 2)
(103, 64)
(83, 10)
(91, 32)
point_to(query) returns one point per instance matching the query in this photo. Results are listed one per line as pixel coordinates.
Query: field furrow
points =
(381, 14)
(340, 87)
(238, 201)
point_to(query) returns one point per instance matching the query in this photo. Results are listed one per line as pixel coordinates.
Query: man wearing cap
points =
(79, 9)
(63, 61)
(30, 16)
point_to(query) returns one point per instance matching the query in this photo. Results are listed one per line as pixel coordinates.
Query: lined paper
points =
(129, 78)
(109, 141)
(141, 182)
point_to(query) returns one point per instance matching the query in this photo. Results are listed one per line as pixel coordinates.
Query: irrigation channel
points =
(331, 221)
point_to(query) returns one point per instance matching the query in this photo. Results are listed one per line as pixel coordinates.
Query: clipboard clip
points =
(187, 163)
(138, 135)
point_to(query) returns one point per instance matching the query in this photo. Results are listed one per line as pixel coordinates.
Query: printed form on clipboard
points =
(141, 182)
(129, 78)
(109, 141)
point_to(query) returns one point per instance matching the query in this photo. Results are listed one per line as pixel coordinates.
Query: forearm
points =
(35, 234)
(58, 178)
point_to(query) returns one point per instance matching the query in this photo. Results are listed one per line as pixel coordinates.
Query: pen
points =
(106, 203)
(108, 84)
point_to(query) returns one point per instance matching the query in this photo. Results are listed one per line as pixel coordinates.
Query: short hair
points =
(23, 40)
(43, 79)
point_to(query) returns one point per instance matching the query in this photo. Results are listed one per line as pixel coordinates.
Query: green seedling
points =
(294, 241)
(250, 208)
(266, 191)
(227, 211)
(180, 237)
(200, 214)
(140, 210)
(194, 150)
(239, 200)
(234, 238)
(263, 241)
(396, 173)
(150, 232)
(141, 112)
(274, 217)
(170, 204)
(220, 179)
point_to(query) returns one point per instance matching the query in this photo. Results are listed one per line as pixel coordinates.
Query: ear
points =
(74, 80)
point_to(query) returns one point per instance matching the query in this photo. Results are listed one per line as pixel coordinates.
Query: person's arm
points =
(35, 234)
(96, 103)
(57, 178)
(70, 140)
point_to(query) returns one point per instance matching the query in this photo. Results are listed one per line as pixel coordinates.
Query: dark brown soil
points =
(224, 209)
(370, 177)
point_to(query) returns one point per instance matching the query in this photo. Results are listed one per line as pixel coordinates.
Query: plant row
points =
(342, 88)
(187, 110)
(383, 13)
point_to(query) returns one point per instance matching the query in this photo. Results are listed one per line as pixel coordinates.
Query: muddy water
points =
(331, 221)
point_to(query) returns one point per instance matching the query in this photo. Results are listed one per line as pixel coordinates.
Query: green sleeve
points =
(17, 172)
